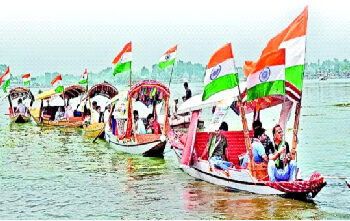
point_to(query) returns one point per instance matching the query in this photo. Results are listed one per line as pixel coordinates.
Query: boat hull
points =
(94, 130)
(60, 123)
(19, 118)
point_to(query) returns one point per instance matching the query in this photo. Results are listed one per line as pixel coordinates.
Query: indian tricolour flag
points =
(293, 39)
(84, 77)
(221, 73)
(268, 77)
(5, 79)
(123, 60)
(168, 58)
(26, 79)
(57, 84)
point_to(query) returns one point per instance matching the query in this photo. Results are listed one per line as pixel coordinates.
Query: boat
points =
(148, 93)
(24, 94)
(104, 89)
(45, 115)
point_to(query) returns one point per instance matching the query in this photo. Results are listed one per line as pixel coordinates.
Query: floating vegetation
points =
(342, 105)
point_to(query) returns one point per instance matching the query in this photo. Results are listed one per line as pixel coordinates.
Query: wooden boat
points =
(24, 94)
(149, 92)
(45, 115)
(253, 178)
(104, 89)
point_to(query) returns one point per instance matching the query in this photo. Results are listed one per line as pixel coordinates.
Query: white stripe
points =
(277, 72)
(292, 91)
(26, 79)
(57, 83)
(295, 51)
(227, 67)
(171, 57)
(126, 57)
(291, 99)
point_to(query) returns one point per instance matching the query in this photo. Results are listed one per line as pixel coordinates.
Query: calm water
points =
(58, 174)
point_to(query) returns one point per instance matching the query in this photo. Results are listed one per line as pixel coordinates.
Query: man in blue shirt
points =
(258, 149)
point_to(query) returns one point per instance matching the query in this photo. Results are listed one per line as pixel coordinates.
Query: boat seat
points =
(147, 138)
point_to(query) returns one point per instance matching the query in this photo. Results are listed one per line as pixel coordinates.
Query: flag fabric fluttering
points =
(84, 77)
(293, 39)
(268, 77)
(168, 58)
(123, 60)
(5, 79)
(221, 72)
(26, 79)
(57, 84)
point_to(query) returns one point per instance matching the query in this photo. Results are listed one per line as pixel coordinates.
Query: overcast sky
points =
(68, 36)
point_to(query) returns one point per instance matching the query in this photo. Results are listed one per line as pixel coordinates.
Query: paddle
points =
(99, 134)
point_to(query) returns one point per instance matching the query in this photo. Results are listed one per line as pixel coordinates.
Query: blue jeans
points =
(219, 162)
(288, 173)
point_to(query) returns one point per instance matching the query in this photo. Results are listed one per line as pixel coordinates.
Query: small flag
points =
(57, 83)
(168, 58)
(221, 73)
(26, 79)
(5, 79)
(84, 77)
(123, 60)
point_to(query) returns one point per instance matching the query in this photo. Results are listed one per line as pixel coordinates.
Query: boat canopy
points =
(46, 95)
(21, 92)
(149, 91)
(118, 97)
(69, 92)
(104, 89)
(196, 103)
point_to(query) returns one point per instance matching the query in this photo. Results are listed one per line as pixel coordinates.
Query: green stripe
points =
(164, 64)
(222, 83)
(83, 81)
(59, 89)
(5, 85)
(121, 67)
(26, 83)
(295, 75)
(266, 89)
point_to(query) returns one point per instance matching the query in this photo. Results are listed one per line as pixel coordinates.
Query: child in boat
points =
(59, 114)
(280, 166)
(258, 149)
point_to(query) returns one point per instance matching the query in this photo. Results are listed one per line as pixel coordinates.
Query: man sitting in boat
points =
(216, 147)
(59, 114)
(21, 108)
(267, 143)
(153, 126)
(173, 110)
(140, 127)
(280, 166)
(258, 149)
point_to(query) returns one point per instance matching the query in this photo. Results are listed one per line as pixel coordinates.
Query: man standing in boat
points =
(280, 166)
(188, 92)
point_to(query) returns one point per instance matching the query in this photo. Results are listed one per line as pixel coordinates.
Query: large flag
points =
(221, 73)
(26, 79)
(268, 77)
(168, 58)
(84, 77)
(5, 79)
(123, 60)
(293, 39)
(57, 83)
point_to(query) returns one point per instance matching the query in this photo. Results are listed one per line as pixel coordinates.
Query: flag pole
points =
(171, 73)
(130, 76)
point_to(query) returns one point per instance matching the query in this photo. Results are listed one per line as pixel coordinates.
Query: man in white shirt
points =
(140, 127)
(21, 108)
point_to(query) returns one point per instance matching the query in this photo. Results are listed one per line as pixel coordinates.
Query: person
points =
(173, 110)
(59, 114)
(267, 143)
(77, 112)
(258, 149)
(153, 125)
(281, 167)
(139, 125)
(216, 147)
(21, 108)
(69, 112)
(94, 105)
(188, 92)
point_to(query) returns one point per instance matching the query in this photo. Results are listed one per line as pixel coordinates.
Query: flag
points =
(293, 39)
(221, 73)
(268, 77)
(5, 79)
(57, 83)
(123, 60)
(168, 58)
(26, 79)
(84, 77)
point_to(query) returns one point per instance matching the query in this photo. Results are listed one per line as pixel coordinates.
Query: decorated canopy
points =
(73, 91)
(104, 89)
(21, 92)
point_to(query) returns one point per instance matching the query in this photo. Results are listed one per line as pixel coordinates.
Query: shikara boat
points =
(104, 89)
(24, 94)
(45, 115)
(150, 93)
(254, 177)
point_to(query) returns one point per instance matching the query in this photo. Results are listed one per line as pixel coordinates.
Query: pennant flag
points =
(268, 77)
(84, 77)
(168, 58)
(293, 39)
(57, 83)
(5, 79)
(123, 60)
(26, 79)
(221, 73)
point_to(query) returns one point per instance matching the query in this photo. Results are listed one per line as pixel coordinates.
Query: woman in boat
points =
(59, 114)
(280, 166)
(153, 126)
(69, 112)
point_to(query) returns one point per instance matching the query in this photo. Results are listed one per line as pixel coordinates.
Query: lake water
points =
(59, 174)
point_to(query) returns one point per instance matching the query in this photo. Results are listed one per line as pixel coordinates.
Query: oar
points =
(103, 129)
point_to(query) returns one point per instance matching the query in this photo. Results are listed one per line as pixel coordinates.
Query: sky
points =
(68, 36)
